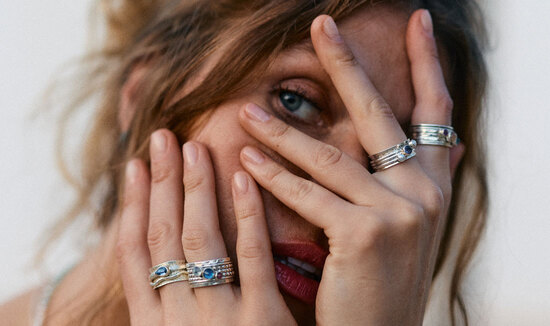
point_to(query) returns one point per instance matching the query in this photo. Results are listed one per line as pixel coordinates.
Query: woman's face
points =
(297, 90)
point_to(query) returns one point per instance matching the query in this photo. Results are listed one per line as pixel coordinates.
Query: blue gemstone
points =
(161, 271)
(446, 132)
(208, 274)
(408, 149)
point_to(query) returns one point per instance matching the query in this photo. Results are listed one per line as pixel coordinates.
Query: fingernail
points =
(253, 155)
(330, 29)
(426, 20)
(254, 112)
(132, 171)
(240, 182)
(159, 141)
(190, 153)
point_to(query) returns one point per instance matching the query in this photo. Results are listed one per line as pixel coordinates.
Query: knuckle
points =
(158, 233)
(380, 108)
(160, 172)
(433, 201)
(434, 55)
(444, 102)
(301, 190)
(247, 213)
(195, 240)
(327, 155)
(127, 201)
(251, 248)
(279, 130)
(346, 58)
(193, 182)
(124, 248)
(411, 217)
(273, 174)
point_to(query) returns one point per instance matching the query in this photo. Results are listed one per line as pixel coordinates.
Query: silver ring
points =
(168, 272)
(432, 134)
(393, 155)
(210, 272)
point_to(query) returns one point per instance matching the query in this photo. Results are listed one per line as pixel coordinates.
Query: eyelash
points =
(278, 89)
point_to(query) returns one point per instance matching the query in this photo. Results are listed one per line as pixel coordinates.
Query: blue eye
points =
(300, 106)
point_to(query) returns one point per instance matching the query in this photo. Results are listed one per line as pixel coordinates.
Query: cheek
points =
(224, 138)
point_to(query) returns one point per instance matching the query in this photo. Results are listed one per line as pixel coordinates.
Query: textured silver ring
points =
(168, 272)
(210, 272)
(393, 155)
(433, 134)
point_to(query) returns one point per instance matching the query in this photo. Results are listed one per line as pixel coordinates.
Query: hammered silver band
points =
(210, 272)
(433, 134)
(393, 155)
(168, 272)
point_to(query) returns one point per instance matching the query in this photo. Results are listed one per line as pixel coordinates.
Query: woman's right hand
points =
(384, 228)
(152, 230)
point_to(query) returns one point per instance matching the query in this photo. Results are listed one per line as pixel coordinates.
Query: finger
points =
(202, 239)
(165, 213)
(310, 200)
(256, 267)
(132, 252)
(376, 126)
(325, 163)
(433, 102)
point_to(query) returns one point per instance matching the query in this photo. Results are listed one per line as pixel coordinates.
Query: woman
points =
(285, 117)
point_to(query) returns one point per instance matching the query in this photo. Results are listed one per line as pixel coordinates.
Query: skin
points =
(310, 177)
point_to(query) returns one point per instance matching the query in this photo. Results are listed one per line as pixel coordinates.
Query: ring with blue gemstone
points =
(434, 134)
(394, 155)
(168, 272)
(210, 272)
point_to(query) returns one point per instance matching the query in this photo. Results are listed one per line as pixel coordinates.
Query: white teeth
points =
(294, 261)
(302, 264)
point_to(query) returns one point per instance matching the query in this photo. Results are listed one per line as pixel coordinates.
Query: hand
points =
(383, 228)
(152, 230)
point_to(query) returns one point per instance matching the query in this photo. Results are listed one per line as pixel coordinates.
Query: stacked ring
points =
(210, 272)
(393, 155)
(167, 272)
(432, 134)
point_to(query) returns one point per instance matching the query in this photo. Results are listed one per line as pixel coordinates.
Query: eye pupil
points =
(291, 101)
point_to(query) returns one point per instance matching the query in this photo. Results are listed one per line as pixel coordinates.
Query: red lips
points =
(290, 281)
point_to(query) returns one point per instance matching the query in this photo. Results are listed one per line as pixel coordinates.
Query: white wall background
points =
(510, 280)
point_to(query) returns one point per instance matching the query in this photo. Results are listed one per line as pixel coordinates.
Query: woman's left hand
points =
(383, 229)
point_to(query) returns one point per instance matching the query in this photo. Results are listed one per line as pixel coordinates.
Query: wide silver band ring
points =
(210, 272)
(433, 134)
(168, 272)
(393, 155)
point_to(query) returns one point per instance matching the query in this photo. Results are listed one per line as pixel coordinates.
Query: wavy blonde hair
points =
(176, 37)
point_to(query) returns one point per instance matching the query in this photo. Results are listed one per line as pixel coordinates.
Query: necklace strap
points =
(46, 296)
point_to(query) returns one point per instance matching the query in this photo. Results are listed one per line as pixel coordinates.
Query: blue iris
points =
(299, 106)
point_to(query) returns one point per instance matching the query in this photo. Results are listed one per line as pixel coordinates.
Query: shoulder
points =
(19, 310)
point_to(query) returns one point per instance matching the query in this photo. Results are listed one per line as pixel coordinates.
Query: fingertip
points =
(136, 177)
(317, 24)
(240, 183)
(190, 153)
(426, 22)
(132, 171)
(419, 35)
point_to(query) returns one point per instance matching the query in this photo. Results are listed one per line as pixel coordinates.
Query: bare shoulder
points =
(19, 310)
